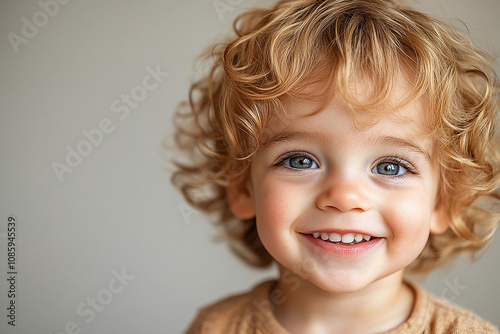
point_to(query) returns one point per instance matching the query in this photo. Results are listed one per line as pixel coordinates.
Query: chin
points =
(339, 283)
(341, 287)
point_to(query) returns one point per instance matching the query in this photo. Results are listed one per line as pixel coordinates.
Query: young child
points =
(349, 142)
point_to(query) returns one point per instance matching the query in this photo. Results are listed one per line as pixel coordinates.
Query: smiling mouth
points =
(343, 239)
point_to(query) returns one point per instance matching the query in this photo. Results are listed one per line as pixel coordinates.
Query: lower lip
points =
(339, 249)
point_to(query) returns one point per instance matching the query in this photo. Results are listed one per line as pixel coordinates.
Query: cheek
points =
(277, 202)
(409, 221)
(278, 205)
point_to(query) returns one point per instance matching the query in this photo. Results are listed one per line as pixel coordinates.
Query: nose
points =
(344, 193)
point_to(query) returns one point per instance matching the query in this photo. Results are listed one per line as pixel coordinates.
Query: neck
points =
(305, 308)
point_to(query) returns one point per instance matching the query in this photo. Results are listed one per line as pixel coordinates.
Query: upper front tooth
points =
(358, 237)
(324, 236)
(335, 237)
(348, 238)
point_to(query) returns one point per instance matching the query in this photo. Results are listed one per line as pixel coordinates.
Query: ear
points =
(439, 220)
(241, 199)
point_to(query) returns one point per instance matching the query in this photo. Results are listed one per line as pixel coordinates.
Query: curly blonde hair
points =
(280, 50)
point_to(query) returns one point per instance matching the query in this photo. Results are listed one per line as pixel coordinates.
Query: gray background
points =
(116, 210)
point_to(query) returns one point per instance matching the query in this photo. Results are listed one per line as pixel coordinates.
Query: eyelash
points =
(287, 156)
(403, 163)
(390, 159)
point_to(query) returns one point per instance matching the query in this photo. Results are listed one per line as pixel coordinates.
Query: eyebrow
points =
(286, 135)
(406, 143)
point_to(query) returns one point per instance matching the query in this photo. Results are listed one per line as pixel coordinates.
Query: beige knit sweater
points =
(247, 314)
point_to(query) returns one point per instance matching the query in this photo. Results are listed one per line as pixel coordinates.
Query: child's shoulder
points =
(432, 314)
(249, 312)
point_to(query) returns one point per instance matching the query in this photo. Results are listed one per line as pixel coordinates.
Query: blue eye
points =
(393, 167)
(299, 162)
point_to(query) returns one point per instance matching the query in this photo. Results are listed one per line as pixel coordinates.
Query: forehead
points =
(331, 118)
(366, 106)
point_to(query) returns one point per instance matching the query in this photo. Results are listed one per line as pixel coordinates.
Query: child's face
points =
(320, 174)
